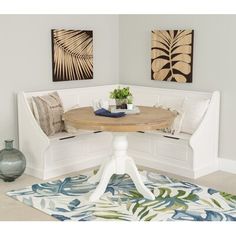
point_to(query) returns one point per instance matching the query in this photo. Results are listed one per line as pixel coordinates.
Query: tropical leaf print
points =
(172, 52)
(166, 200)
(229, 197)
(68, 199)
(207, 215)
(72, 54)
(70, 186)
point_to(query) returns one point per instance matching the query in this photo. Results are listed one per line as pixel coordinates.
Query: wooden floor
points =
(12, 210)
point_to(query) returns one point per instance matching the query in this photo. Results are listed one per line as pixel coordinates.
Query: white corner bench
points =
(183, 154)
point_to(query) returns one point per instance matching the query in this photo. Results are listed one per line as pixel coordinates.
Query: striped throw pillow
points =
(48, 112)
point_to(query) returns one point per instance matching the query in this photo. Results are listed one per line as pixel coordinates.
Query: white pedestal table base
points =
(119, 163)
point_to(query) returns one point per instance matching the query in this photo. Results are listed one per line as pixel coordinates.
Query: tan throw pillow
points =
(48, 112)
(175, 128)
(70, 129)
(194, 112)
(177, 123)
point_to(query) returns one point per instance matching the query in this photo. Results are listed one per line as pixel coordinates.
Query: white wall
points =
(26, 64)
(121, 53)
(214, 60)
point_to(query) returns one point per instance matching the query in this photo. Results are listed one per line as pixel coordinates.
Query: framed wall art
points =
(172, 55)
(72, 54)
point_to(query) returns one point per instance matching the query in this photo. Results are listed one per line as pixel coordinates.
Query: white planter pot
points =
(130, 106)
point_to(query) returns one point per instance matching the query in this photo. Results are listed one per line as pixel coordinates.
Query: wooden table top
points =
(149, 118)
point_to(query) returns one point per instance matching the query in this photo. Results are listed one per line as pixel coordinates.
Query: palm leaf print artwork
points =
(72, 54)
(172, 55)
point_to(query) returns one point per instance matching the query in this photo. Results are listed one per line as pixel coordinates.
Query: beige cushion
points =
(74, 131)
(48, 113)
(194, 112)
(176, 126)
(68, 128)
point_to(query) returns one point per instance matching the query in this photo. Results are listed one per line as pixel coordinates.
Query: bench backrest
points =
(146, 96)
(76, 96)
(167, 97)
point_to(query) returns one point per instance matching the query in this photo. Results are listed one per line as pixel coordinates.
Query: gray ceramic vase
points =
(12, 162)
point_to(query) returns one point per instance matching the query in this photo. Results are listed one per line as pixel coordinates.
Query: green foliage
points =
(121, 93)
(229, 197)
(130, 100)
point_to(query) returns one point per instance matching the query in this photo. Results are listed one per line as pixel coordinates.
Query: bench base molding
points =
(144, 160)
(66, 169)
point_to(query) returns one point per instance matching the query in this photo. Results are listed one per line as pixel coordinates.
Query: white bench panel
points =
(188, 155)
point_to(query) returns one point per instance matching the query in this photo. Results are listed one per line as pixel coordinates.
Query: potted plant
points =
(121, 95)
(130, 105)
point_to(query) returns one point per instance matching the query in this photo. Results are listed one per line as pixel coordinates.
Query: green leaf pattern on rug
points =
(67, 199)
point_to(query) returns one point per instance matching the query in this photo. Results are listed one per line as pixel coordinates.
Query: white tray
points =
(135, 110)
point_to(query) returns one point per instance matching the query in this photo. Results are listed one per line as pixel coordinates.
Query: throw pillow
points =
(68, 128)
(172, 102)
(194, 112)
(177, 123)
(48, 112)
(176, 126)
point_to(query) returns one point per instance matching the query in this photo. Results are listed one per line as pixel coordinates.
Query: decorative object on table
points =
(134, 110)
(12, 162)
(104, 112)
(121, 95)
(172, 55)
(67, 199)
(96, 105)
(130, 104)
(102, 103)
(72, 54)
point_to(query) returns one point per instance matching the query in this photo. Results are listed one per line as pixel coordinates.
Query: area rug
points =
(67, 199)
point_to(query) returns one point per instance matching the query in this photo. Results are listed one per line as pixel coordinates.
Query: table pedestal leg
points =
(96, 178)
(120, 163)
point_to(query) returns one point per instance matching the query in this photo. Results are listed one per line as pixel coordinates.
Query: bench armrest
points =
(204, 140)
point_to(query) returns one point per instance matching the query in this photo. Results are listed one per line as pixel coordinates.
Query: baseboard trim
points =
(227, 165)
(206, 170)
(34, 172)
(192, 174)
(146, 161)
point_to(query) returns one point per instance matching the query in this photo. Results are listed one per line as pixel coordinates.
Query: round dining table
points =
(148, 119)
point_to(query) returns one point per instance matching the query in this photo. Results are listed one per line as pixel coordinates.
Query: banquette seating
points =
(192, 154)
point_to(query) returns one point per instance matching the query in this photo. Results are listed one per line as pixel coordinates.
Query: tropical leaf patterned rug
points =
(67, 199)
